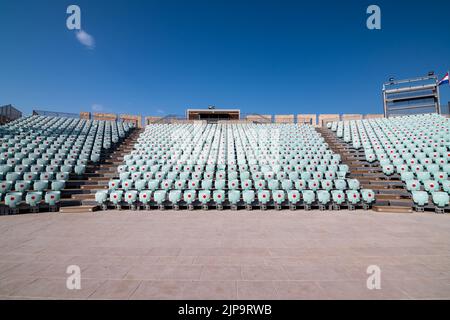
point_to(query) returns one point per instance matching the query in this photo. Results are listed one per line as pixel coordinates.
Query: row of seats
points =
(234, 197)
(38, 154)
(416, 147)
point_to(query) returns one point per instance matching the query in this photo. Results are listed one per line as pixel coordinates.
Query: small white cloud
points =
(97, 107)
(160, 111)
(85, 39)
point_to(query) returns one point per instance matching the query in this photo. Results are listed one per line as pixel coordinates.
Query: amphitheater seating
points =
(417, 148)
(234, 165)
(38, 154)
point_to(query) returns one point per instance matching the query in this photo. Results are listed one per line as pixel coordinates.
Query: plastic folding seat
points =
(180, 184)
(306, 176)
(101, 197)
(338, 196)
(197, 175)
(432, 168)
(446, 186)
(189, 196)
(160, 197)
(153, 184)
(246, 184)
(144, 197)
(80, 169)
(420, 198)
(30, 176)
(441, 199)
(219, 196)
(294, 196)
(327, 185)
(353, 184)
(40, 185)
(431, 186)
(368, 196)
(353, 197)
(278, 196)
(136, 176)
(52, 198)
(234, 196)
(204, 196)
(113, 184)
(22, 186)
(147, 176)
(131, 198)
(406, 176)
(207, 184)
(263, 196)
(58, 185)
(260, 184)
(185, 175)
(413, 185)
(293, 176)
(166, 184)
(140, 184)
(175, 197)
(245, 175)
(300, 185)
(233, 184)
(388, 169)
(5, 187)
(33, 199)
(126, 184)
(274, 184)
(286, 185)
(13, 199)
(193, 184)
(62, 176)
(423, 176)
(257, 175)
(308, 197)
(313, 185)
(323, 197)
(12, 177)
(440, 176)
(208, 175)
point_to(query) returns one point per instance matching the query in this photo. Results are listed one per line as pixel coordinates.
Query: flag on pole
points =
(444, 80)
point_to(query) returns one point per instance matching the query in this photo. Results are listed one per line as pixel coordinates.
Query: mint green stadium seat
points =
(441, 199)
(62, 176)
(260, 184)
(204, 196)
(145, 196)
(185, 175)
(338, 196)
(101, 197)
(323, 197)
(58, 185)
(40, 185)
(219, 184)
(306, 176)
(49, 176)
(293, 176)
(175, 196)
(115, 197)
(66, 168)
(388, 169)
(13, 199)
(245, 175)
(172, 175)
(127, 184)
(52, 198)
(219, 196)
(30, 176)
(246, 184)
(33, 199)
(446, 186)
(193, 184)
(257, 175)
(22, 186)
(368, 196)
(423, 176)
(287, 185)
(207, 184)
(233, 184)
(140, 184)
(308, 197)
(300, 185)
(420, 197)
(413, 185)
(234, 196)
(431, 186)
(294, 196)
(189, 196)
(153, 184)
(12, 177)
(330, 175)
(5, 187)
(131, 198)
(313, 185)
(180, 184)
(432, 168)
(160, 196)
(274, 184)
(446, 168)
(166, 184)
(278, 196)
(406, 176)
(353, 196)
(440, 176)
(353, 184)
(148, 176)
(327, 185)
(113, 184)
(136, 176)
(220, 175)
(124, 175)
(263, 196)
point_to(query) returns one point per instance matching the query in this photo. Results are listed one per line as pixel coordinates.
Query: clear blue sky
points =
(160, 57)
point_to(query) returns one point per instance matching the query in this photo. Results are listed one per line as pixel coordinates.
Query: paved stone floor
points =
(225, 255)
